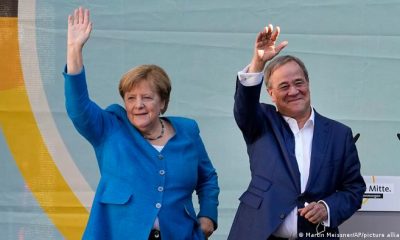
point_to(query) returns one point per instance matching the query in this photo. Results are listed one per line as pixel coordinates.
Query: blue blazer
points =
(274, 189)
(137, 182)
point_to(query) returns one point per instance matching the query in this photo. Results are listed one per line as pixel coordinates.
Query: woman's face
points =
(143, 106)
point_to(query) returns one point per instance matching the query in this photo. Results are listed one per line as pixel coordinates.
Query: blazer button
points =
(161, 157)
(282, 216)
(158, 205)
(160, 189)
(161, 172)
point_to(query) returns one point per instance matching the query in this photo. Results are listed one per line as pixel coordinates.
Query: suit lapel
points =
(285, 138)
(290, 158)
(319, 144)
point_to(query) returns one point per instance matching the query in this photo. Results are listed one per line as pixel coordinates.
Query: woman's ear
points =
(162, 107)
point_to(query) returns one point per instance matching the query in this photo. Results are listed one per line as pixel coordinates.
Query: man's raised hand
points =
(265, 48)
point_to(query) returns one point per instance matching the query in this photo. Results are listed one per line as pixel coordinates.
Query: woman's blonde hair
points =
(154, 75)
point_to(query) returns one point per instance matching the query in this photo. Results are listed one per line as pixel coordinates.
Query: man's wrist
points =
(256, 66)
(326, 221)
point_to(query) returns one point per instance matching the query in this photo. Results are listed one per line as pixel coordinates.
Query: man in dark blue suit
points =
(305, 171)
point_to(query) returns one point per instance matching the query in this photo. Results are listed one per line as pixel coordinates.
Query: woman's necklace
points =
(161, 134)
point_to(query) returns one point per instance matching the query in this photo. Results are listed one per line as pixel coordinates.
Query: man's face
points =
(289, 90)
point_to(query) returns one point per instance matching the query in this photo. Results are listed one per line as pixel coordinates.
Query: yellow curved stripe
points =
(26, 143)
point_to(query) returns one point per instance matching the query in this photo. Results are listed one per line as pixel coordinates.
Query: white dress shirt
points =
(303, 146)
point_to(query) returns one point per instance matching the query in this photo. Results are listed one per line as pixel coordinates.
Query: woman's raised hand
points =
(79, 27)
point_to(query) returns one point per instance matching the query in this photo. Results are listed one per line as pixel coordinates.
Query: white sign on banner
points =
(381, 194)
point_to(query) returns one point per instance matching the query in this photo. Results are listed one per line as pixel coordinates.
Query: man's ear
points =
(271, 94)
(269, 91)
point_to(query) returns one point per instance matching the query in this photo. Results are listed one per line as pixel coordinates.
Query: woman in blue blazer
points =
(150, 165)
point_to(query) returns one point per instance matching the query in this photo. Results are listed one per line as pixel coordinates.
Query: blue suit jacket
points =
(138, 183)
(274, 189)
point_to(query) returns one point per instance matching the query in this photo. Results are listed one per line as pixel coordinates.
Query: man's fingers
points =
(311, 213)
(281, 46)
(269, 29)
(275, 34)
(260, 36)
(314, 213)
(269, 33)
(308, 210)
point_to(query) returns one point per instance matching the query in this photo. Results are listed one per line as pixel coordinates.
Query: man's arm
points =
(347, 199)
(248, 86)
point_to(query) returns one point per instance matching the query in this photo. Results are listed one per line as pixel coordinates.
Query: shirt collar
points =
(293, 123)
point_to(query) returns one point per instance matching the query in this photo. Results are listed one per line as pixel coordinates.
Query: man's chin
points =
(296, 101)
(293, 110)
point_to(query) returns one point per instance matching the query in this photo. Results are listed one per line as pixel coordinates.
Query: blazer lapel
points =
(319, 145)
(284, 137)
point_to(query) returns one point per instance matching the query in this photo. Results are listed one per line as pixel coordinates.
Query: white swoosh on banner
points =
(40, 106)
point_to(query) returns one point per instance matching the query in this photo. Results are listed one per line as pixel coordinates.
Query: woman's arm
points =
(88, 118)
(79, 28)
(207, 189)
